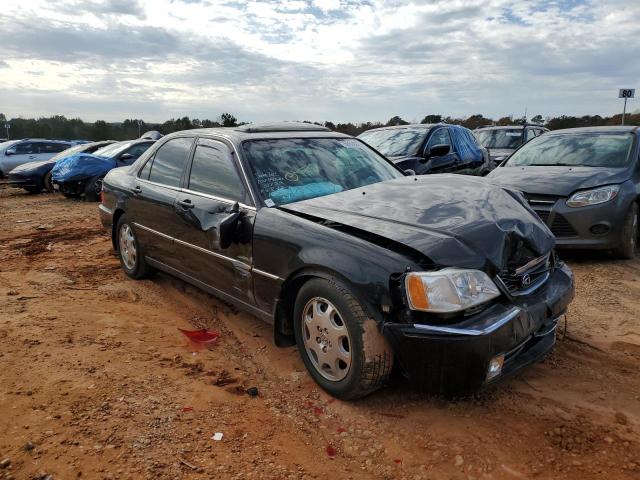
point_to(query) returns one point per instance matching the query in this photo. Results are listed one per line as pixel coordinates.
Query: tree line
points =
(58, 126)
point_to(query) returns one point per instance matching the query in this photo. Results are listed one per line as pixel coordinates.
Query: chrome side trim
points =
(175, 189)
(213, 254)
(267, 274)
(209, 252)
(151, 230)
(470, 331)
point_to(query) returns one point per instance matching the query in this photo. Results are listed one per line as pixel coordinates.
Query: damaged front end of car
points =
(457, 331)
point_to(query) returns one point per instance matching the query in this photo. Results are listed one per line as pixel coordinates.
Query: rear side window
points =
(169, 161)
(530, 134)
(213, 172)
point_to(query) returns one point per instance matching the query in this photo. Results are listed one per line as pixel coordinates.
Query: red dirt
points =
(98, 382)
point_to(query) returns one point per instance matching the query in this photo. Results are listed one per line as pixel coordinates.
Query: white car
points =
(17, 152)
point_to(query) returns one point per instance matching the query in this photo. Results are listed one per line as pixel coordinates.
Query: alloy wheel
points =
(326, 339)
(127, 246)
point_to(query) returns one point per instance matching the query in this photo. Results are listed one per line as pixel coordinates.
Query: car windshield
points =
(508, 138)
(69, 151)
(113, 150)
(395, 142)
(294, 169)
(578, 149)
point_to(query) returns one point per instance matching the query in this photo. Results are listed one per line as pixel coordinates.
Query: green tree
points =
(396, 120)
(431, 119)
(228, 120)
(537, 119)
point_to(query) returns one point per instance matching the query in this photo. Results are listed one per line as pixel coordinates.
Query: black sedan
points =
(358, 264)
(584, 183)
(36, 176)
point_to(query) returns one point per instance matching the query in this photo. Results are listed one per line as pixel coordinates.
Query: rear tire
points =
(92, 188)
(341, 346)
(129, 251)
(629, 238)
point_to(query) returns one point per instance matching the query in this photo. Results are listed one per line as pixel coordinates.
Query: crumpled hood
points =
(81, 166)
(453, 220)
(31, 166)
(561, 181)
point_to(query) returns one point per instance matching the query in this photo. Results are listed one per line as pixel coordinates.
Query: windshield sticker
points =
(269, 203)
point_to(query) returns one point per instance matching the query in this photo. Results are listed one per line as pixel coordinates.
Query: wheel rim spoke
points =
(326, 339)
(127, 246)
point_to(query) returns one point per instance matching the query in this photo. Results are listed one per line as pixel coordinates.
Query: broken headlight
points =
(593, 197)
(449, 290)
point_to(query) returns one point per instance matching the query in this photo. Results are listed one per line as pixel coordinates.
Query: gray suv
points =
(503, 141)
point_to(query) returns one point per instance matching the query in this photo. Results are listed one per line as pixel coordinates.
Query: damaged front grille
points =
(527, 278)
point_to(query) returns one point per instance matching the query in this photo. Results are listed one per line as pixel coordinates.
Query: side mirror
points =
(410, 173)
(125, 156)
(10, 151)
(227, 227)
(439, 150)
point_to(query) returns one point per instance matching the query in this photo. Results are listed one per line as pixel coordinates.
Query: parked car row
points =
(357, 254)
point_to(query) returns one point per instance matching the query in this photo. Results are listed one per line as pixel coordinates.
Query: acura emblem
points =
(526, 280)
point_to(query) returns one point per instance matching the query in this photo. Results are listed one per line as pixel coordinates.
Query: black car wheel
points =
(92, 189)
(48, 182)
(629, 238)
(129, 251)
(340, 345)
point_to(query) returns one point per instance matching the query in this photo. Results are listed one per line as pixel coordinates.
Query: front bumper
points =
(453, 359)
(593, 227)
(20, 181)
(75, 187)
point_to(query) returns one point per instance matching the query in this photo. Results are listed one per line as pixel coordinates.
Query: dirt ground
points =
(98, 382)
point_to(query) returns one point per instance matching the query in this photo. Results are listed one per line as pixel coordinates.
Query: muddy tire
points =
(92, 188)
(48, 182)
(130, 253)
(340, 344)
(629, 239)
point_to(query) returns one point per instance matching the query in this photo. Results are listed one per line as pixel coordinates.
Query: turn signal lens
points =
(417, 293)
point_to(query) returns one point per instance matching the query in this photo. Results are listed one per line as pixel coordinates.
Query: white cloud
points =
(316, 59)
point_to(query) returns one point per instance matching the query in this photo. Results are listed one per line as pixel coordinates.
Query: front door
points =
(213, 190)
(443, 163)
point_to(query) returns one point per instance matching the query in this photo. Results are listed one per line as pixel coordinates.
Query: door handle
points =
(186, 203)
(31, 157)
(137, 189)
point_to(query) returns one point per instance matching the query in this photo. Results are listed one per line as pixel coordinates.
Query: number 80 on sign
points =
(627, 93)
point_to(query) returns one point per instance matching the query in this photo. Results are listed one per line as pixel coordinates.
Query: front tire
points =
(92, 188)
(629, 238)
(130, 254)
(339, 343)
(48, 182)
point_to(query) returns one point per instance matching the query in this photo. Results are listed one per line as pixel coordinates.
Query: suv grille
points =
(529, 277)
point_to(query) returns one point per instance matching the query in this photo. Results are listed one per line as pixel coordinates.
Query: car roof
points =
(256, 131)
(607, 129)
(43, 140)
(424, 126)
(510, 127)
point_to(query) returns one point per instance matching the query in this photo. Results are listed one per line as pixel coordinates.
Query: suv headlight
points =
(593, 197)
(449, 290)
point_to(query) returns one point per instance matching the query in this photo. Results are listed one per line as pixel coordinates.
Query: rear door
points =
(212, 188)
(153, 195)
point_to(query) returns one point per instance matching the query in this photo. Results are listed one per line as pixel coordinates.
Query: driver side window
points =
(439, 137)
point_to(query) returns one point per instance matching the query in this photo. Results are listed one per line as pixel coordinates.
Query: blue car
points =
(82, 173)
(430, 148)
(36, 176)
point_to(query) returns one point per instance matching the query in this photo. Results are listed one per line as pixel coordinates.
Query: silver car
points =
(17, 152)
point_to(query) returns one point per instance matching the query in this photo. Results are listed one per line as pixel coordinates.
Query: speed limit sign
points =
(627, 93)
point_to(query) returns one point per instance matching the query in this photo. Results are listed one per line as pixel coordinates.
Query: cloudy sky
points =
(339, 60)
